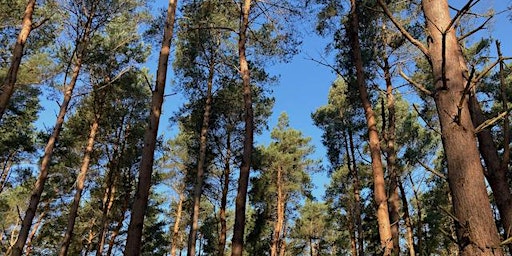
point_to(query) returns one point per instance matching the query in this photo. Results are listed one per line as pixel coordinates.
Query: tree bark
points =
(6, 170)
(176, 228)
(48, 151)
(243, 181)
(278, 224)
(9, 82)
(134, 239)
(224, 198)
(117, 229)
(374, 141)
(108, 201)
(497, 167)
(80, 182)
(357, 195)
(198, 189)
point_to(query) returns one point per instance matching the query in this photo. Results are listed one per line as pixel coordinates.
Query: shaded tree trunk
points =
(32, 234)
(374, 142)
(17, 53)
(198, 189)
(243, 181)
(117, 229)
(408, 221)
(48, 151)
(476, 230)
(357, 195)
(108, 201)
(6, 170)
(134, 239)
(224, 198)
(497, 167)
(80, 182)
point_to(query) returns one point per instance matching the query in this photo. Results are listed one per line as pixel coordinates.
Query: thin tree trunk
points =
(394, 199)
(476, 230)
(108, 200)
(48, 151)
(176, 228)
(419, 224)
(357, 195)
(198, 189)
(278, 224)
(374, 142)
(17, 53)
(408, 221)
(224, 198)
(6, 170)
(134, 239)
(80, 183)
(90, 237)
(352, 233)
(282, 245)
(117, 229)
(243, 182)
(34, 231)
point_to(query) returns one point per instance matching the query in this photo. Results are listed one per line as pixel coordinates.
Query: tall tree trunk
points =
(108, 201)
(374, 142)
(476, 230)
(176, 227)
(357, 195)
(32, 234)
(117, 229)
(224, 199)
(243, 181)
(419, 222)
(278, 224)
(352, 232)
(48, 151)
(198, 189)
(394, 199)
(497, 167)
(80, 182)
(408, 221)
(134, 239)
(17, 53)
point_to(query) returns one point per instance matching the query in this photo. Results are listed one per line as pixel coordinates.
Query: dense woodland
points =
(416, 129)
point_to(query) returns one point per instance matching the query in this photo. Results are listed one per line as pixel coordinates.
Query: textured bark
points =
(476, 230)
(176, 227)
(352, 233)
(497, 167)
(80, 183)
(48, 151)
(198, 187)
(134, 239)
(374, 141)
(224, 199)
(9, 82)
(243, 181)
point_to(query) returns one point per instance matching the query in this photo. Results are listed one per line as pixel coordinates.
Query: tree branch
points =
(414, 83)
(402, 30)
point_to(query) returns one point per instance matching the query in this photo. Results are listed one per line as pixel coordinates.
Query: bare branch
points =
(461, 12)
(430, 169)
(490, 122)
(402, 30)
(476, 29)
(463, 97)
(414, 83)
(424, 120)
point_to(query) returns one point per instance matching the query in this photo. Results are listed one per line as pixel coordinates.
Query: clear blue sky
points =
(304, 84)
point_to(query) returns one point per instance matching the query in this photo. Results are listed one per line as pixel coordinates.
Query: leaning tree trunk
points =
(408, 221)
(80, 182)
(374, 142)
(476, 230)
(176, 227)
(17, 53)
(198, 189)
(48, 151)
(134, 239)
(243, 181)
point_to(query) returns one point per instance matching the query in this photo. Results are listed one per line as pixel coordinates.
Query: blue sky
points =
(303, 84)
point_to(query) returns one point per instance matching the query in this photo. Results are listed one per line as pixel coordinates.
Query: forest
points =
(143, 127)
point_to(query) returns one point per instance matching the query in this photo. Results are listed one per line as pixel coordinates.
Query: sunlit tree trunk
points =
(108, 201)
(243, 181)
(408, 221)
(10, 79)
(279, 222)
(176, 227)
(80, 183)
(476, 230)
(117, 229)
(374, 141)
(48, 151)
(198, 189)
(134, 239)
